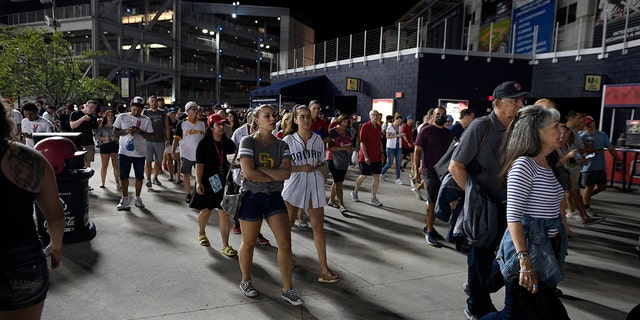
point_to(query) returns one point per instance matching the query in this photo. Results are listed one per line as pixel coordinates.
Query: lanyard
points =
(220, 154)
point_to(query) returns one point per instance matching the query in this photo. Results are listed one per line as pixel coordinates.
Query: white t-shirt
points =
(17, 120)
(35, 126)
(125, 121)
(238, 134)
(189, 135)
(393, 143)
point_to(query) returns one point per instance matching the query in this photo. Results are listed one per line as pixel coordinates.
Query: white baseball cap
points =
(191, 104)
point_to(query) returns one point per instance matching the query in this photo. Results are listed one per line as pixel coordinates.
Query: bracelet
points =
(527, 271)
(524, 254)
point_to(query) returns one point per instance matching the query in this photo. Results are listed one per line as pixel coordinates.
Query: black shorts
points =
(337, 174)
(24, 278)
(109, 148)
(369, 169)
(407, 151)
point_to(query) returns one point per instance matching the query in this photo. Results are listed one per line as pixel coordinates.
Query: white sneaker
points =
(375, 202)
(303, 224)
(416, 192)
(398, 181)
(413, 183)
(383, 177)
(354, 196)
(124, 204)
(138, 202)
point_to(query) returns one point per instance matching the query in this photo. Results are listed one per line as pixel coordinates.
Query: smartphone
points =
(51, 261)
(590, 155)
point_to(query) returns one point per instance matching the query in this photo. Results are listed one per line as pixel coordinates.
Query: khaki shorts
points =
(91, 153)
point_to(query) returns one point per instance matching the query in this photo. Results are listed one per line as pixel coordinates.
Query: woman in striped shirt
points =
(531, 254)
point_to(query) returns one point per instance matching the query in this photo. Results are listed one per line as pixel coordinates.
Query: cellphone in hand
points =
(51, 261)
(590, 155)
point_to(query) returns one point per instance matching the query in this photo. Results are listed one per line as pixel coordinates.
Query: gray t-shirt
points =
(157, 123)
(270, 157)
(487, 171)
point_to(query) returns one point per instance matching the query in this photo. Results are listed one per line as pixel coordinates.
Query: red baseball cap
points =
(215, 118)
(588, 119)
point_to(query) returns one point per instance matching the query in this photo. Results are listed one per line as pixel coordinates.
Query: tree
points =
(38, 63)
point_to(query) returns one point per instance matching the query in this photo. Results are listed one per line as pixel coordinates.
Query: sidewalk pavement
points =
(147, 263)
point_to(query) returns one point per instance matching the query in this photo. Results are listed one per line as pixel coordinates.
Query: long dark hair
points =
(235, 124)
(294, 126)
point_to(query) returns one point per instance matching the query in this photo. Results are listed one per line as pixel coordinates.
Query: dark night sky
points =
(333, 19)
(330, 18)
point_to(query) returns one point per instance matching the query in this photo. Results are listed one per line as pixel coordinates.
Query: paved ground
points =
(147, 264)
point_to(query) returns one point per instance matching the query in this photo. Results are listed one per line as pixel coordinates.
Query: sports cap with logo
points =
(509, 89)
(137, 101)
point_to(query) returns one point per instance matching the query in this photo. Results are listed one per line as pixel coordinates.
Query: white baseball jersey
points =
(35, 126)
(303, 188)
(190, 134)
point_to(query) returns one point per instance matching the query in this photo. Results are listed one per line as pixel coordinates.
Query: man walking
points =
(159, 141)
(594, 173)
(33, 123)
(370, 157)
(85, 122)
(189, 132)
(134, 129)
(507, 100)
(432, 143)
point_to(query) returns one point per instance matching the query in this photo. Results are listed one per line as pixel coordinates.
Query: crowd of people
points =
(511, 159)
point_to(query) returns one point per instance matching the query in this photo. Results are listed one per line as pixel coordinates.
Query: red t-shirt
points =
(408, 133)
(372, 139)
(320, 127)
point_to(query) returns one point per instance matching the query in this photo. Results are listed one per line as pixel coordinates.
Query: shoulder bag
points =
(232, 197)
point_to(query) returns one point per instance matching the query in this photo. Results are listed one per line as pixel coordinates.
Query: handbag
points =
(231, 197)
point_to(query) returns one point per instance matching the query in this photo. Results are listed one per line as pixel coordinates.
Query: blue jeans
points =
(393, 154)
(483, 273)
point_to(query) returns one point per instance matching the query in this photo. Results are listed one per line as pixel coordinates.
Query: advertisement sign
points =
(616, 21)
(384, 106)
(527, 14)
(495, 26)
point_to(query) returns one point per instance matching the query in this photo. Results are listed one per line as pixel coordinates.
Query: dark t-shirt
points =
(434, 142)
(86, 127)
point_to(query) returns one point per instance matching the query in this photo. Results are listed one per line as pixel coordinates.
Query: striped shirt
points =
(533, 190)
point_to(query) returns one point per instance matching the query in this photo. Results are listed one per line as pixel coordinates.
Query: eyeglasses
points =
(516, 101)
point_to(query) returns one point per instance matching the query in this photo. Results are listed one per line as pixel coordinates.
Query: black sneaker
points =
(591, 220)
(292, 297)
(188, 198)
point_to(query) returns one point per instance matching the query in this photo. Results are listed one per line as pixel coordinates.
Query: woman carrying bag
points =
(212, 167)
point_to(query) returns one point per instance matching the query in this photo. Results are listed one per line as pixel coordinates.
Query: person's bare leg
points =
(203, 219)
(292, 212)
(339, 194)
(147, 170)
(374, 186)
(358, 182)
(103, 167)
(279, 225)
(250, 231)
(138, 187)
(29, 313)
(116, 168)
(224, 222)
(316, 217)
(157, 167)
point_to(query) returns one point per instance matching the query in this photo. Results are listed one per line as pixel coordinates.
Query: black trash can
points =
(73, 190)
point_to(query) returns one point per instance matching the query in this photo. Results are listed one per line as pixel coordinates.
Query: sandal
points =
(328, 278)
(229, 251)
(203, 240)
(331, 204)
(343, 210)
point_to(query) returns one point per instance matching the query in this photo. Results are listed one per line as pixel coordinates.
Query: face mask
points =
(441, 120)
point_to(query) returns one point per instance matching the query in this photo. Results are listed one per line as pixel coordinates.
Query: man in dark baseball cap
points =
(509, 89)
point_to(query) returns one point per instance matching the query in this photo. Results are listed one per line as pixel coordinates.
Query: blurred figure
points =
(466, 116)
(158, 143)
(26, 178)
(338, 157)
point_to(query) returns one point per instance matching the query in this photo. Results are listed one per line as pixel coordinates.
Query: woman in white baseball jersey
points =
(305, 188)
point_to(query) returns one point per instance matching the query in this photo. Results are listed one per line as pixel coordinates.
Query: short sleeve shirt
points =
(125, 121)
(270, 157)
(371, 137)
(86, 127)
(434, 142)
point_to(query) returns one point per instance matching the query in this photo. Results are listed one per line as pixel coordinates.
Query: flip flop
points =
(343, 210)
(331, 204)
(328, 278)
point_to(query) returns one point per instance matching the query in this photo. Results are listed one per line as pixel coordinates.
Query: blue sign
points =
(527, 15)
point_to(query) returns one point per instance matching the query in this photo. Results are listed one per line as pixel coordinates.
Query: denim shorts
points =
(260, 205)
(24, 278)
